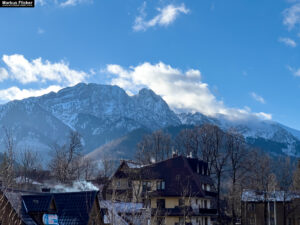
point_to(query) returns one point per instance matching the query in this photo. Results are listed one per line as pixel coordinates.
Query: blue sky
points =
(238, 58)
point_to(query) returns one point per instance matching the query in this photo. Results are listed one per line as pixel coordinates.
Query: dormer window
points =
(160, 185)
(163, 185)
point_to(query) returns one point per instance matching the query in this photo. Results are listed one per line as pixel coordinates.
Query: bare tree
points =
(7, 165)
(107, 167)
(206, 142)
(259, 167)
(88, 168)
(184, 142)
(29, 162)
(260, 176)
(65, 164)
(156, 146)
(220, 158)
(238, 153)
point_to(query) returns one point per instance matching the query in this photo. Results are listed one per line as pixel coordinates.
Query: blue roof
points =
(72, 208)
(37, 203)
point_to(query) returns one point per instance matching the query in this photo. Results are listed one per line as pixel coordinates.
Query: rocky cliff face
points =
(104, 113)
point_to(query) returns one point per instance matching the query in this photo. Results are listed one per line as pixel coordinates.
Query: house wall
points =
(95, 215)
(119, 183)
(137, 188)
(170, 202)
(8, 215)
(254, 214)
(118, 189)
(172, 220)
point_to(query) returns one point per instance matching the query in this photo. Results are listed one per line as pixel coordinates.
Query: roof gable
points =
(37, 203)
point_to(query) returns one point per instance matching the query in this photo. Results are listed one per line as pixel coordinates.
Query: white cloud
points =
(37, 70)
(296, 72)
(3, 74)
(165, 17)
(62, 3)
(288, 41)
(263, 115)
(257, 98)
(182, 90)
(15, 93)
(40, 2)
(292, 16)
(40, 31)
(74, 2)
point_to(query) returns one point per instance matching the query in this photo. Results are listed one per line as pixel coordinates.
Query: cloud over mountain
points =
(182, 90)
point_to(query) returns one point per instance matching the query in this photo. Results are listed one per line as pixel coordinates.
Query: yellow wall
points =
(171, 220)
(123, 184)
(137, 187)
(171, 202)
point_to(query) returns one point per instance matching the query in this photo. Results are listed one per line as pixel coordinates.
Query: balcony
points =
(210, 193)
(183, 211)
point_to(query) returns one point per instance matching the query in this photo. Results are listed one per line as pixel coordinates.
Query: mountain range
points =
(111, 122)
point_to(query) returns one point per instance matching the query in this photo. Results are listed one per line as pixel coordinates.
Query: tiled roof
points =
(15, 199)
(37, 203)
(73, 208)
(182, 176)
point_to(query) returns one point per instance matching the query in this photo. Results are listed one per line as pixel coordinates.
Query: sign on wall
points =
(50, 219)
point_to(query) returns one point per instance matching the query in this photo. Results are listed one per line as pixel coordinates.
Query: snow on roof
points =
(122, 207)
(134, 165)
(260, 196)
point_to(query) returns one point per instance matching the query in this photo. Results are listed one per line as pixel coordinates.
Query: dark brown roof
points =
(182, 175)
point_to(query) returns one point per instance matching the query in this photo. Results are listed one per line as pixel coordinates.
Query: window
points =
(118, 183)
(271, 206)
(205, 204)
(160, 185)
(181, 221)
(206, 221)
(160, 203)
(251, 207)
(163, 185)
(147, 203)
(146, 186)
(181, 202)
(160, 221)
(207, 187)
